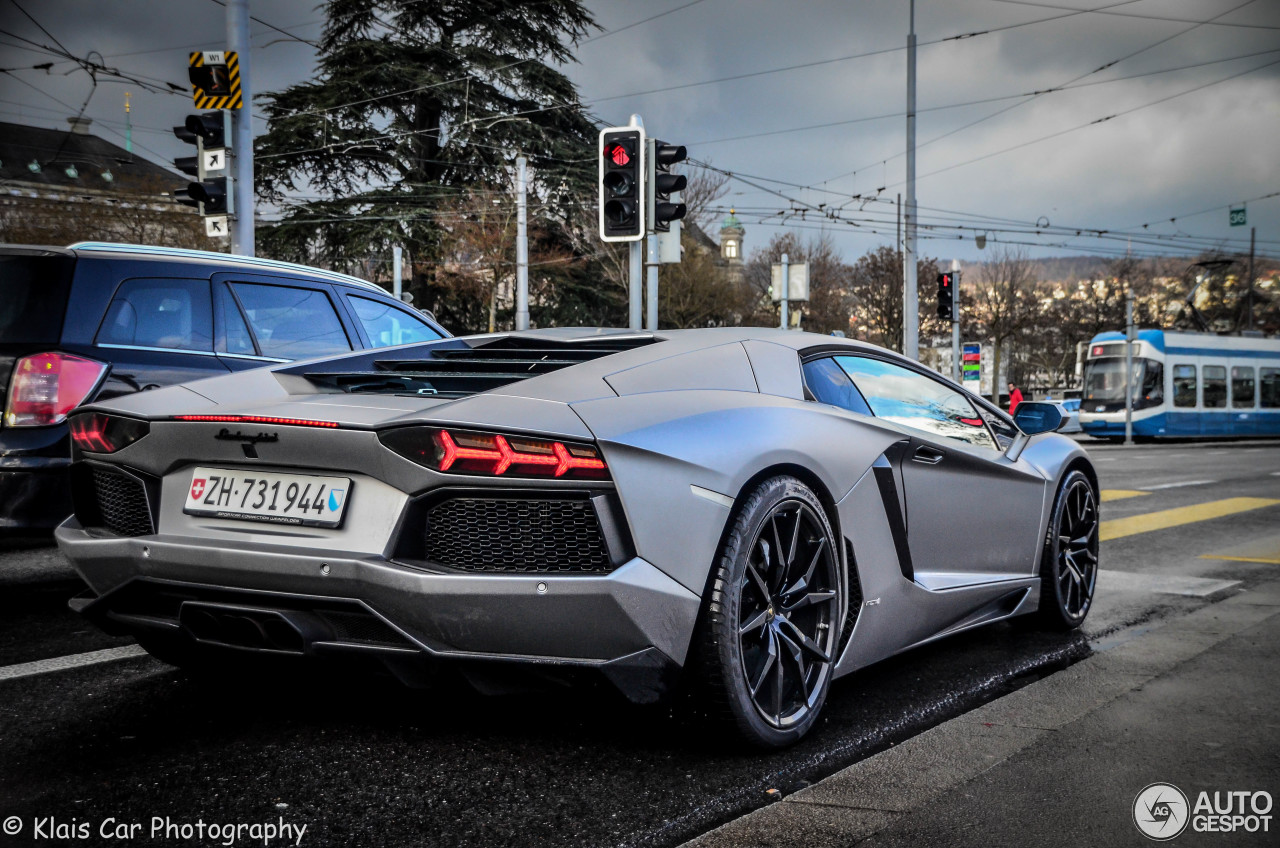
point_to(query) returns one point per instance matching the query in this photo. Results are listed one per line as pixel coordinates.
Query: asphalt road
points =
(361, 761)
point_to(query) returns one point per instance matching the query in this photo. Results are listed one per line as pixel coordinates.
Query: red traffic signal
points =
(622, 201)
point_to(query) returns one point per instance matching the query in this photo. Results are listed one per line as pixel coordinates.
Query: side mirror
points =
(1034, 417)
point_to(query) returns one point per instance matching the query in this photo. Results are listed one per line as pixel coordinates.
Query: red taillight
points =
(98, 432)
(45, 387)
(258, 419)
(492, 454)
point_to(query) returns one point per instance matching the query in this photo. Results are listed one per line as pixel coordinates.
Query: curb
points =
(873, 794)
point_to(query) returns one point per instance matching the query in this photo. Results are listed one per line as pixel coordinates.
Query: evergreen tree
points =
(416, 104)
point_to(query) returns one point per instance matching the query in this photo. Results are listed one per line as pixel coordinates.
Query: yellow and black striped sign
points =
(215, 80)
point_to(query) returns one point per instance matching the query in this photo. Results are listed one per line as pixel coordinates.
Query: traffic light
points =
(208, 132)
(622, 199)
(662, 183)
(946, 295)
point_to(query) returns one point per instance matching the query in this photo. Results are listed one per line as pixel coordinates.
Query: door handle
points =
(927, 455)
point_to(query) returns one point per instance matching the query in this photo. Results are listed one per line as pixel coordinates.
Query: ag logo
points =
(1161, 811)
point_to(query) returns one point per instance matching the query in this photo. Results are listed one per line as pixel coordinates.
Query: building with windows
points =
(62, 186)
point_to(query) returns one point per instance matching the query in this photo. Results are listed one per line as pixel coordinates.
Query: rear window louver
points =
(462, 371)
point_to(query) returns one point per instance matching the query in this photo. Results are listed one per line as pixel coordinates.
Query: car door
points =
(972, 516)
(157, 331)
(264, 319)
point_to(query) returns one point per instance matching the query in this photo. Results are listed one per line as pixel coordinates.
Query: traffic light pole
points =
(1129, 336)
(636, 266)
(910, 301)
(786, 292)
(241, 165)
(522, 245)
(955, 327)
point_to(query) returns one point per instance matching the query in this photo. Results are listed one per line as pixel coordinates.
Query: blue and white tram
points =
(1185, 385)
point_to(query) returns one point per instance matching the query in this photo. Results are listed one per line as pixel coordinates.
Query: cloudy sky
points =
(1158, 108)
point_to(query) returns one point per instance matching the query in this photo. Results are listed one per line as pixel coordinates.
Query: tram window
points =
(1152, 383)
(1215, 387)
(1242, 386)
(1270, 388)
(1184, 385)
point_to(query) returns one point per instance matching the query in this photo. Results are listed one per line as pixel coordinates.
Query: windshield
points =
(1104, 384)
(33, 297)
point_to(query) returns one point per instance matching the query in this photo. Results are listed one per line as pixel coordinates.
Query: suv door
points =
(265, 319)
(157, 331)
(972, 516)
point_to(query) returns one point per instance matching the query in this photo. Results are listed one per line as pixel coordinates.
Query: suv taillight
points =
(45, 387)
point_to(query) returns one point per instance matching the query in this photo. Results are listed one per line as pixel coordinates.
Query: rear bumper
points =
(633, 624)
(35, 494)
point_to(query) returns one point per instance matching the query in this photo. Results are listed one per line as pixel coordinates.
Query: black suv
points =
(93, 321)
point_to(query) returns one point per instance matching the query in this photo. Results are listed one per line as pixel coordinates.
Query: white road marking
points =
(1177, 485)
(10, 672)
(1163, 584)
(1275, 473)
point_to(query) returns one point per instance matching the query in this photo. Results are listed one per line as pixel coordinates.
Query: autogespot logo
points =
(1160, 811)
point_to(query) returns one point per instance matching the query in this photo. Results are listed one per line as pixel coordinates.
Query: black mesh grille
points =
(526, 535)
(122, 503)
(361, 627)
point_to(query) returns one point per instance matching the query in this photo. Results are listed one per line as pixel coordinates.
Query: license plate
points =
(268, 497)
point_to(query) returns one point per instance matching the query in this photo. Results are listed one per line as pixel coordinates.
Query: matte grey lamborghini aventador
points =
(749, 512)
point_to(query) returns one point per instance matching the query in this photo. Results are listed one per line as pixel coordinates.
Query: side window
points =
(1153, 383)
(1270, 388)
(172, 314)
(1005, 432)
(386, 324)
(292, 323)
(1215, 386)
(828, 383)
(235, 336)
(1184, 385)
(913, 400)
(1242, 386)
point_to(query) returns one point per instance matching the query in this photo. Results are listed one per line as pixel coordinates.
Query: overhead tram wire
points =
(273, 26)
(1217, 208)
(1105, 11)
(994, 99)
(730, 78)
(1042, 93)
(1101, 120)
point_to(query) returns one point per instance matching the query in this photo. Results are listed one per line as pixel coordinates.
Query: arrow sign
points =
(215, 226)
(215, 159)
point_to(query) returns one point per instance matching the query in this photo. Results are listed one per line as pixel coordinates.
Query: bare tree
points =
(1005, 302)
(705, 188)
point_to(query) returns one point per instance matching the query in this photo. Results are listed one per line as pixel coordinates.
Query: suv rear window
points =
(162, 313)
(33, 297)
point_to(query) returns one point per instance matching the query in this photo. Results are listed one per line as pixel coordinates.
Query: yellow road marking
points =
(1166, 518)
(1242, 559)
(1121, 494)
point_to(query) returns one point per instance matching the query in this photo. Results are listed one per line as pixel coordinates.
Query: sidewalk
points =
(1191, 701)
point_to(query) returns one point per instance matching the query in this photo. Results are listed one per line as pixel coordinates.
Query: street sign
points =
(215, 226)
(798, 282)
(215, 79)
(971, 362)
(214, 160)
(1236, 217)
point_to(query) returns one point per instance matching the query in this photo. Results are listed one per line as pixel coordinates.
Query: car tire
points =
(765, 647)
(1069, 562)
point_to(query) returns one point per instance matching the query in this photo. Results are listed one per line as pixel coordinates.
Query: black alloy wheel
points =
(1069, 568)
(768, 640)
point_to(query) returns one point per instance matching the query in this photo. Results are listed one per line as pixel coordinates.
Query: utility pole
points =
(637, 250)
(522, 245)
(1248, 298)
(786, 291)
(910, 301)
(241, 170)
(1129, 336)
(955, 321)
(397, 286)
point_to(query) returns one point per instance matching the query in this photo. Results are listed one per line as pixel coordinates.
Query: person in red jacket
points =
(1015, 398)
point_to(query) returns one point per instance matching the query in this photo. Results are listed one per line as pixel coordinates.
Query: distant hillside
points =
(1055, 269)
